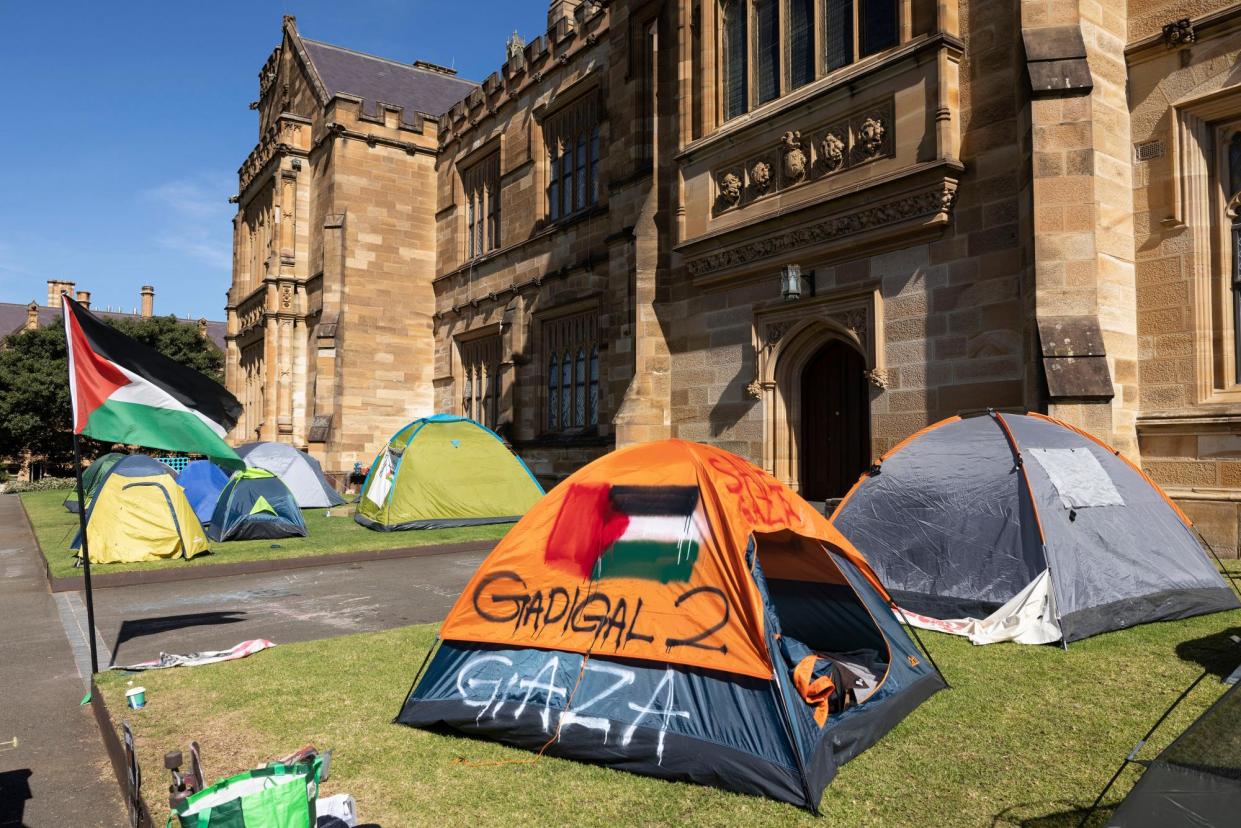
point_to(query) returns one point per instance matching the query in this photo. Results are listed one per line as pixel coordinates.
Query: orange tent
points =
(644, 555)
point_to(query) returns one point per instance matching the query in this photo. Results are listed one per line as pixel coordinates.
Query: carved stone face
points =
(832, 151)
(870, 137)
(794, 156)
(760, 176)
(730, 188)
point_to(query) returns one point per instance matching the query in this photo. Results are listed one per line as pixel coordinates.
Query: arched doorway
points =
(835, 421)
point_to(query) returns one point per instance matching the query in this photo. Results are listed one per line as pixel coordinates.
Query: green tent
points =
(445, 471)
(92, 479)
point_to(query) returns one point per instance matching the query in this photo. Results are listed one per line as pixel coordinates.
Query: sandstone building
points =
(799, 229)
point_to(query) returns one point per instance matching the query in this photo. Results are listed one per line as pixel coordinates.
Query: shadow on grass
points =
(161, 624)
(1060, 814)
(1217, 653)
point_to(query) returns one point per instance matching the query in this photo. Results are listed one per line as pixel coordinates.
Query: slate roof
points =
(13, 319)
(378, 80)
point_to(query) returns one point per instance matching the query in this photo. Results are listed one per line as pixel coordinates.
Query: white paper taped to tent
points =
(1028, 618)
(377, 492)
(1078, 477)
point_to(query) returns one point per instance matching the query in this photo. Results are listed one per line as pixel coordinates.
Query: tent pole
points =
(90, 598)
(1231, 578)
(1141, 743)
(918, 639)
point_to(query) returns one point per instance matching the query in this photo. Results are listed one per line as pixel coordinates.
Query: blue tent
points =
(255, 504)
(203, 481)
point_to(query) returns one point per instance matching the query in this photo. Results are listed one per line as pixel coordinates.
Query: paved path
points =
(41, 637)
(139, 622)
(53, 769)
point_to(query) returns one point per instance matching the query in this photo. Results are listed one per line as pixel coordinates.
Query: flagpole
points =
(90, 598)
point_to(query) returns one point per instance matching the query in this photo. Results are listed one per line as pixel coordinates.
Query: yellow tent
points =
(141, 514)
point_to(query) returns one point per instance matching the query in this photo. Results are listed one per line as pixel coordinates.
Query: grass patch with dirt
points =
(55, 528)
(1027, 736)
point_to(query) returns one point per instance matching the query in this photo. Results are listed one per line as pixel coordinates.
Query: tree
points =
(34, 383)
(179, 341)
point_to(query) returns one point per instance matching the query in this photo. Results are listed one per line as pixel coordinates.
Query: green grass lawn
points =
(1027, 736)
(55, 528)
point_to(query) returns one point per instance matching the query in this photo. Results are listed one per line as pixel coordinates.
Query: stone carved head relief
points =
(832, 152)
(870, 137)
(794, 156)
(760, 176)
(730, 188)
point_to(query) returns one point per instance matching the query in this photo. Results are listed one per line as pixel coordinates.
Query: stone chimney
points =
(202, 328)
(83, 298)
(32, 316)
(55, 287)
(148, 301)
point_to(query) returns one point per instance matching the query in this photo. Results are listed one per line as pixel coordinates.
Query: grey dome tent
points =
(1021, 527)
(296, 469)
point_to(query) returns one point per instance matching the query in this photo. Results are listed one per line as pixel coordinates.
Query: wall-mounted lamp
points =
(792, 285)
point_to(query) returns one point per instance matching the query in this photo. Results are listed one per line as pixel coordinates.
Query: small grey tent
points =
(1023, 528)
(1196, 780)
(296, 469)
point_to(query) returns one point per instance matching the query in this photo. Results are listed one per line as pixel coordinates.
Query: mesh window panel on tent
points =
(1212, 744)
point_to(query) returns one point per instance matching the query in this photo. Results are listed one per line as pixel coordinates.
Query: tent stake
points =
(918, 639)
(90, 597)
(1141, 742)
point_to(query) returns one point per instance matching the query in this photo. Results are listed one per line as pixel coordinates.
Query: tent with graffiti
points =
(671, 610)
(1019, 527)
(445, 471)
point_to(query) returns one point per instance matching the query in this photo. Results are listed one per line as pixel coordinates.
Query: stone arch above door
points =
(786, 336)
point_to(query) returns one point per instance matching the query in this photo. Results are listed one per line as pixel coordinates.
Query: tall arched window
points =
(566, 390)
(571, 353)
(594, 385)
(553, 399)
(579, 389)
(768, 48)
(1233, 216)
(736, 64)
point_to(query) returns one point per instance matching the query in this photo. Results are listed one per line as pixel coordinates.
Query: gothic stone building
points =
(800, 230)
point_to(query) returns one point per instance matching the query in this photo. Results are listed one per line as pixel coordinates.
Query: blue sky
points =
(127, 121)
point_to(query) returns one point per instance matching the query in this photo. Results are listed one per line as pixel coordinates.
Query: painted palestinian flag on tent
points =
(126, 392)
(610, 531)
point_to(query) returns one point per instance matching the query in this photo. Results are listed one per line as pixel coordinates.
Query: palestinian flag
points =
(648, 532)
(126, 392)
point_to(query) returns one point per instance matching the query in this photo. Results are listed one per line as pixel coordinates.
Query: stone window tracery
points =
(571, 345)
(480, 384)
(573, 155)
(769, 48)
(481, 182)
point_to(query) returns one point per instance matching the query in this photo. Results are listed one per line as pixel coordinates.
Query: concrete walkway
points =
(139, 622)
(53, 769)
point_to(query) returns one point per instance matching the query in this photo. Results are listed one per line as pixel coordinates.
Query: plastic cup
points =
(136, 698)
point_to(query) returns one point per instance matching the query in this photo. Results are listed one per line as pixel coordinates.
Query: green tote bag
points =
(277, 796)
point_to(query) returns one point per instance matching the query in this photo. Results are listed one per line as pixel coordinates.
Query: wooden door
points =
(835, 422)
